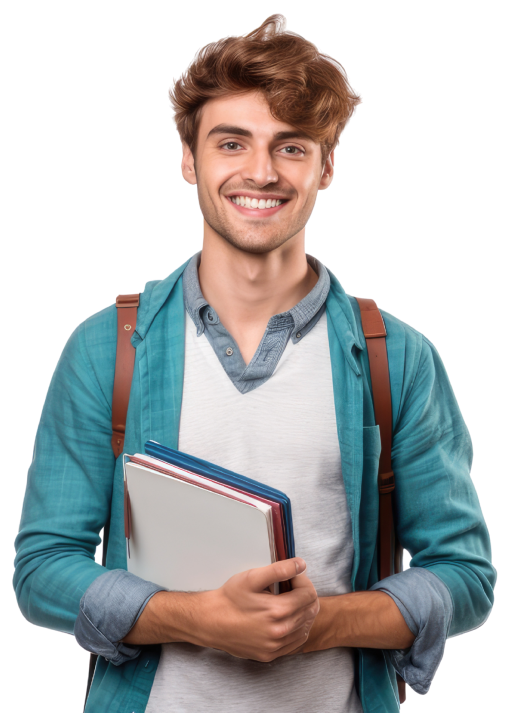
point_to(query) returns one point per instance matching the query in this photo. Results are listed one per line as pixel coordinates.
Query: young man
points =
(252, 356)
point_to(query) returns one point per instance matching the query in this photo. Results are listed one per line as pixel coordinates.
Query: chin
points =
(255, 244)
(256, 247)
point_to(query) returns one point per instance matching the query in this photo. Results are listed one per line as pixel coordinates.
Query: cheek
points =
(214, 179)
(308, 185)
(308, 193)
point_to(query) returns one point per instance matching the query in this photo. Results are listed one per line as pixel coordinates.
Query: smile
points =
(263, 207)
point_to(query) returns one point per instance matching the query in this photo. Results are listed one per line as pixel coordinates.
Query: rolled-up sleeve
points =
(108, 610)
(426, 605)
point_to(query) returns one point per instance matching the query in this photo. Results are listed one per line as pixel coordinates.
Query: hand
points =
(316, 639)
(247, 621)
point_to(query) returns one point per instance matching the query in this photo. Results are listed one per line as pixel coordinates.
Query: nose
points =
(259, 168)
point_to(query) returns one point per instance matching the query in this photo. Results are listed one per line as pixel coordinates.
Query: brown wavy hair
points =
(303, 87)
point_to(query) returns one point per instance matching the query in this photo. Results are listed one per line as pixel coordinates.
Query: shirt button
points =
(229, 351)
(298, 335)
(210, 317)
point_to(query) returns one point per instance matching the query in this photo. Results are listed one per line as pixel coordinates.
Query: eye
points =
(293, 150)
(231, 146)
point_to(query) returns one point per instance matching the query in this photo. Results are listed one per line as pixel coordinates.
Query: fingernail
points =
(300, 568)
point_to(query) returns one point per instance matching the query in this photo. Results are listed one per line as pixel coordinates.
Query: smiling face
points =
(257, 177)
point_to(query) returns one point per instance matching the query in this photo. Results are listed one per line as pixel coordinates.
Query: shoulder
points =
(88, 358)
(405, 344)
(414, 363)
(96, 337)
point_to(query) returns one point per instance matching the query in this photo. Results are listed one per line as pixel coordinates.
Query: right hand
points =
(243, 618)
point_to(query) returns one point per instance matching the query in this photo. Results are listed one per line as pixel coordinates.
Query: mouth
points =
(256, 212)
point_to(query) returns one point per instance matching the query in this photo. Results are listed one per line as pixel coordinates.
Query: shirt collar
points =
(303, 315)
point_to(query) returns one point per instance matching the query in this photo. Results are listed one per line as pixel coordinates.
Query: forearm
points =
(360, 619)
(169, 617)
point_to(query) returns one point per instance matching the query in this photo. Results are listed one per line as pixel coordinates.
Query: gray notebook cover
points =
(189, 539)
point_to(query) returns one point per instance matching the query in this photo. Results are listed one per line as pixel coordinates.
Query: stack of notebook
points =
(191, 525)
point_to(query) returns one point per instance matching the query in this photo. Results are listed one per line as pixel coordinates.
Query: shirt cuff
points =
(109, 608)
(426, 605)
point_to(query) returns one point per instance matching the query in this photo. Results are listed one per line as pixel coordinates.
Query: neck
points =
(246, 289)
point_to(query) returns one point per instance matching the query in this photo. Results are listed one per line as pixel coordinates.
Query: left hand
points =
(315, 638)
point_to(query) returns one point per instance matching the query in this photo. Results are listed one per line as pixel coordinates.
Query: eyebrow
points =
(239, 131)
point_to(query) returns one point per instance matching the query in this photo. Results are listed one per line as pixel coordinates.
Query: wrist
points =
(168, 617)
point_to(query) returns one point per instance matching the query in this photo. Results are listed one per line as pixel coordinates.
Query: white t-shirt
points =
(284, 434)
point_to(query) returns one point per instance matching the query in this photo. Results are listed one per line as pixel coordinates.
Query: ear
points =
(188, 164)
(327, 174)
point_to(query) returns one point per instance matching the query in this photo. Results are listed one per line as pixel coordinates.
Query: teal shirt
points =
(74, 482)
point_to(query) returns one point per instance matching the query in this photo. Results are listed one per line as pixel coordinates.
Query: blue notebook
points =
(227, 477)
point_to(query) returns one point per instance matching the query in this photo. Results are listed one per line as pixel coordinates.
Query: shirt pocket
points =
(372, 444)
(369, 506)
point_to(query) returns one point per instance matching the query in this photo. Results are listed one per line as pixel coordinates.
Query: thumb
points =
(260, 578)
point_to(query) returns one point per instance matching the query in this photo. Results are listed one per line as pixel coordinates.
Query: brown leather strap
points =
(374, 329)
(390, 550)
(375, 335)
(125, 359)
(402, 692)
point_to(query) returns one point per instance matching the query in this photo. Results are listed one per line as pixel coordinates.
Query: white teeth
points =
(257, 203)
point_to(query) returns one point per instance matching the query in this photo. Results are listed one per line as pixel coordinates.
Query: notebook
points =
(190, 532)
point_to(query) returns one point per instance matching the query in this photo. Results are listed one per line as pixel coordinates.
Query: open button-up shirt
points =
(75, 486)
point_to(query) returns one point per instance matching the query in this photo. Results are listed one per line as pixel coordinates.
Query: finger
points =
(260, 578)
(291, 643)
(303, 584)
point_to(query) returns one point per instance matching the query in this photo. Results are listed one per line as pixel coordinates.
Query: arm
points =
(410, 622)
(448, 588)
(167, 618)
(68, 492)
(359, 619)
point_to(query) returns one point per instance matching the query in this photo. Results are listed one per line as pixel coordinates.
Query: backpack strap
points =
(127, 306)
(390, 550)
(375, 334)
(374, 329)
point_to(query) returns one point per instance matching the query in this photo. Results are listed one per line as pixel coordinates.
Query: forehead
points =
(249, 111)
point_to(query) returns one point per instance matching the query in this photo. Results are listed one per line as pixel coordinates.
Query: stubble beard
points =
(257, 239)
